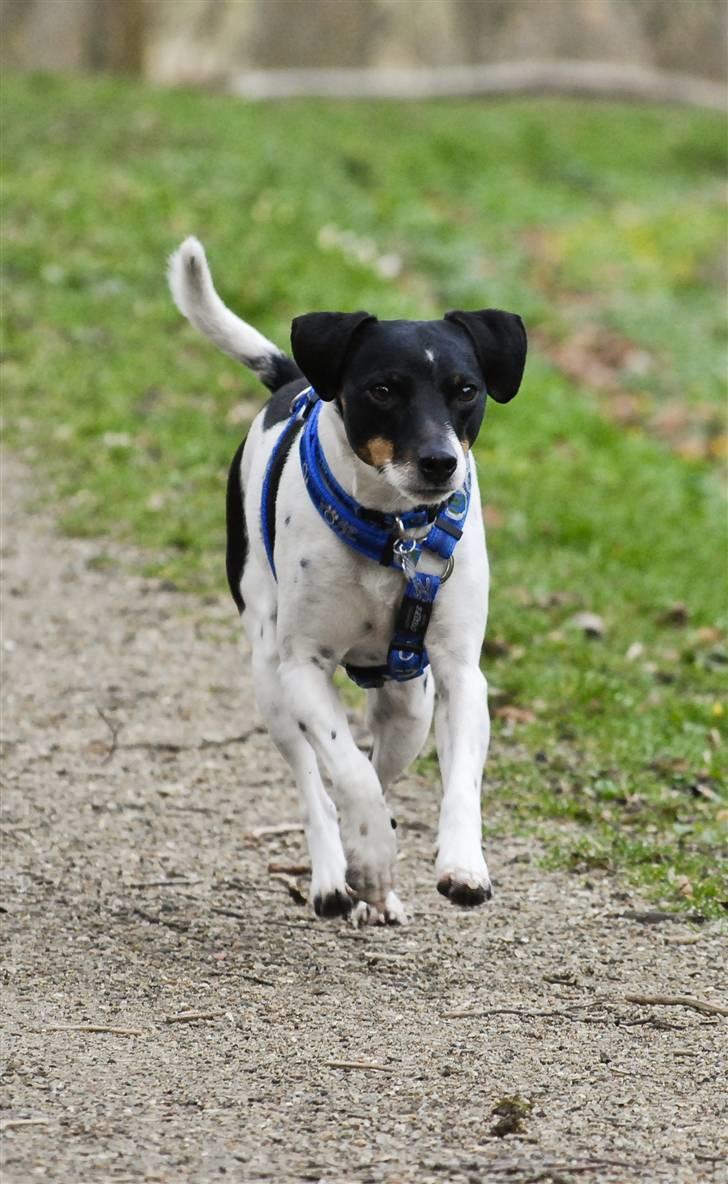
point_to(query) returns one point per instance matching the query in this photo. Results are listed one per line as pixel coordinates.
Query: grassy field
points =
(602, 225)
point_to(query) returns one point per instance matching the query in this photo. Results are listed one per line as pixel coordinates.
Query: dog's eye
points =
(467, 393)
(381, 395)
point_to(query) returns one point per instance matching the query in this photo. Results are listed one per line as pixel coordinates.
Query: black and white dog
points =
(344, 507)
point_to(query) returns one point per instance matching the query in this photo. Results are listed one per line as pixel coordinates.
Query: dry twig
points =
(524, 1013)
(94, 1028)
(10, 1124)
(283, 828)
(357, 1065)
(114, 728)
(175, 883)
(703, 1005)
(186, 1017)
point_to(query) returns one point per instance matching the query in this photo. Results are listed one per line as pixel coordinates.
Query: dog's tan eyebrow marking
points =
(377, 451)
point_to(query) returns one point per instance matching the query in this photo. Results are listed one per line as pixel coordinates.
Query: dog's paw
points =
(393, 913)
(463, 876)
(461, 871)
(333, 904)
(371, 855)
(464, 888)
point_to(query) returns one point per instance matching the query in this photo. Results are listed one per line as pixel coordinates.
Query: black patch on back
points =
(275, 472)
(237, 535)
(274, 370)
(278, 407)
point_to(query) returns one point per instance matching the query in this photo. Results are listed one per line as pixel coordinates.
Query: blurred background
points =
(213, 41)
(602, 222)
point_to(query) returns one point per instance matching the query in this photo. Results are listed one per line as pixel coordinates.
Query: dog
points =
(366, 443)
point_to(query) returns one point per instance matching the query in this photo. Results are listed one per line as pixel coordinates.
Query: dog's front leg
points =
(366, 824)
(462, 731)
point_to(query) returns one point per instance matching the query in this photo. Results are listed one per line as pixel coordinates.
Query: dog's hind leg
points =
(399, 717)
(329, 894)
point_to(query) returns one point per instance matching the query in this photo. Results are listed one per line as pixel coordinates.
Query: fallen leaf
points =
(515, 715)
(676, 614)
(709, 635)
(684, 886)
(699, 790)
(591, 624)
(495, 647)
(511, 1113)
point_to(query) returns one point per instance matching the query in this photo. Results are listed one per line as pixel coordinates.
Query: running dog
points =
(355, 539)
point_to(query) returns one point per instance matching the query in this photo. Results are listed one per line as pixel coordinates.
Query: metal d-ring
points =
(402, 546)
(448, 569)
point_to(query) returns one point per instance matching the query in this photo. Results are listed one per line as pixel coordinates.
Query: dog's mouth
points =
(431, 493)
(433, 490)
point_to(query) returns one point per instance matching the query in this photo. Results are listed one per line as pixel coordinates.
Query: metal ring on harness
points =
(448, 569)
(403, 548)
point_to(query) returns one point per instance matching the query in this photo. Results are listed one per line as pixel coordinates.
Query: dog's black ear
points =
(500, 343)
(319, 341)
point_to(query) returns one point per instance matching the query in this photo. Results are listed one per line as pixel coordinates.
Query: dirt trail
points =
(134, 756)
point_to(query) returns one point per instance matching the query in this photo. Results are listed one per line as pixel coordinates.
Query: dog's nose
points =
(437, 467)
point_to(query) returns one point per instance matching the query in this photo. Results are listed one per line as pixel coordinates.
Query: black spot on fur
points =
(301, 725)
(393, 821)
(368, 626)
(326, 652)
(237, 535)
(333, 735)
(287, 520)
(304, 563)
(274, 474)
(278, 406)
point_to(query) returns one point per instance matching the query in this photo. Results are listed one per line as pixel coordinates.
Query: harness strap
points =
(274, 472)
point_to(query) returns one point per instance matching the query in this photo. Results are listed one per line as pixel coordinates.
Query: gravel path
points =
(137, 887)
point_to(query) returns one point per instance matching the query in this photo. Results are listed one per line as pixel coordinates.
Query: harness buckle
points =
(403, 549)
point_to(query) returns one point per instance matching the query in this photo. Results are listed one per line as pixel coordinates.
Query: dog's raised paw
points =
(467, 891)
(391, 912)
(332, 904)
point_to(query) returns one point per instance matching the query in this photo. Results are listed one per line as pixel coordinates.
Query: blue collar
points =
(379, 536)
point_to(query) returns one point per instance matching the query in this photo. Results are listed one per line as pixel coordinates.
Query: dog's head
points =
(412, 393)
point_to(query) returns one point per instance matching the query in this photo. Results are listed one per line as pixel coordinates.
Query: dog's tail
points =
(194, 294)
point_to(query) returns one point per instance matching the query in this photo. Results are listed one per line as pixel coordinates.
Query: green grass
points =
(597, 217)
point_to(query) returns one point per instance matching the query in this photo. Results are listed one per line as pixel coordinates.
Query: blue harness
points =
(379, 536)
